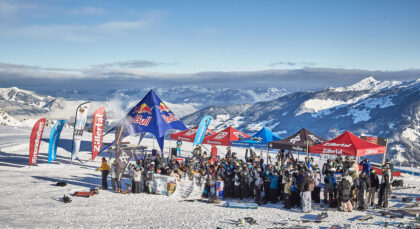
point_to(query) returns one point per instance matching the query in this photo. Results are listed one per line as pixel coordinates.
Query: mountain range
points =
(389, 109)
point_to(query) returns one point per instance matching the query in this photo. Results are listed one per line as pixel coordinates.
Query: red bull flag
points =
(98, 131)
(150, 115)
(35, 142)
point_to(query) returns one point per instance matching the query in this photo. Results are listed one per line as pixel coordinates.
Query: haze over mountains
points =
(380, 108)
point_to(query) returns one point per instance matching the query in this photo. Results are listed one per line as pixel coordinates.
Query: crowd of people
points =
(282, 179)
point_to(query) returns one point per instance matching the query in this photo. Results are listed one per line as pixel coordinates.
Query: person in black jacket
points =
(384, 187)
(374, 186)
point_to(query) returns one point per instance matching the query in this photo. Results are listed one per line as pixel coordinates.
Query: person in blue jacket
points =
(366, 165)
(274, 182)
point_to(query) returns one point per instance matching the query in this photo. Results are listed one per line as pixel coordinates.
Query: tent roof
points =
(260, 139)
(225, 137)
(348, 144)
(297, 141)
(189, 135)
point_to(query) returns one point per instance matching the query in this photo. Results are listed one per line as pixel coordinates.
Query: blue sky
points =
(194, 36)
(327, 42)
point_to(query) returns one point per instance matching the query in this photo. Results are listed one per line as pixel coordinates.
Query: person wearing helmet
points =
(363, 185)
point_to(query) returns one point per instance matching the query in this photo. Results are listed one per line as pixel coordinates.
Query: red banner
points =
(35, 141)
(98, 131)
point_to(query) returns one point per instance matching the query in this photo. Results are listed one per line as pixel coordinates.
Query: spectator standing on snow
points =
(274, 183)
(384, 187)
(345, 194)
(287, 191)
(317, 183)
(307, 187)
(374, 186)
(258, 187)
(137, 175)
(105, 171)
(114, 177)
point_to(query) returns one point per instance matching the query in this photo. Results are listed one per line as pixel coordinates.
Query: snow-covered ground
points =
(30, 199)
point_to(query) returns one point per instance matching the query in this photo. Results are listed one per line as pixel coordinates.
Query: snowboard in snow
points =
(241, 205)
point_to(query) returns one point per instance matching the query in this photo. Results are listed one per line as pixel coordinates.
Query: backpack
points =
(311, 184)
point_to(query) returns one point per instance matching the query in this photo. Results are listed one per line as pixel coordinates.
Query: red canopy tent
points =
(225, 137)
(348, 144)
(189, 135)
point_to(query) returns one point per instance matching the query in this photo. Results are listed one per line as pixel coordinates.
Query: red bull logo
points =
(163, 107)
(143, 108)
(170, 118)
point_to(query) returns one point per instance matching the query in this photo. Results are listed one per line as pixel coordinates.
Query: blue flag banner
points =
(202, 129)
(150, 115)
(54, 139)
(258, 140)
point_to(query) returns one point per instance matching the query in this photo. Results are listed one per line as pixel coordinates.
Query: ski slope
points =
(30, 199)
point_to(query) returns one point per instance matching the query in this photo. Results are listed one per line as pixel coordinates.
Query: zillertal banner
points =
(79, 125)
(98, 131)
(35, 141)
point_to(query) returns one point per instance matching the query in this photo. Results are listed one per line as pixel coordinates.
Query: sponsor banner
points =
(98, 131)
(182, 188)
(123, 158)
(35, 141)
(54, 139)
(202, 129)
(79, 125)
(160, 184)
(375, 140)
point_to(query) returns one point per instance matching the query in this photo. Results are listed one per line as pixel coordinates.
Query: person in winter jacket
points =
(315, 195)
(114, 179)
(105, 171)
(288, 192)
(345, 194)
(137, 175)
(274, 182)
(245, 181)
(366, 165)
(384, 187)
(363, 185)
(237, 184)
(305, 188)
(258, 187)
(374, 186)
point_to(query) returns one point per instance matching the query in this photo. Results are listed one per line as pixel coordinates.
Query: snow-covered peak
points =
(368, 84)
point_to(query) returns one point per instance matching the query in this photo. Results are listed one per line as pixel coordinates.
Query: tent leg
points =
(386, 148)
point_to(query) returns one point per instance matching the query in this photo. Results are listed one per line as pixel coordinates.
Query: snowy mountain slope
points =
(390, 111)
